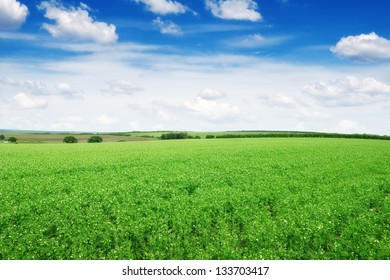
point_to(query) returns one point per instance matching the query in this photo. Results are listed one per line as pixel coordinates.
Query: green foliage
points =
(304, 135)
(70, 139)
(95, 139)
(174, 135)
(228, 199)
(209, 136)
(2, 137)
(12, 139)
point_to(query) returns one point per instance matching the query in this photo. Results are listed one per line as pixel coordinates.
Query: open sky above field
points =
(202, 65)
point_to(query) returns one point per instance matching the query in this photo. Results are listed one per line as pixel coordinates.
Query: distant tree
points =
(210, 136)
(70, 139)
(174, 135)
(2, 137)
(95, 139)
(12, 139)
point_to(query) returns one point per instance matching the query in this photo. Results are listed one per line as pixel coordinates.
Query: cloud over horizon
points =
(349, 91)
(193, 65)
(212, 109)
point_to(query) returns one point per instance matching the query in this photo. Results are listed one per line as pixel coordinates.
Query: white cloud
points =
(280, 100)
(349, 126)
(76, 23)
(134, 125)
(12, 14)
(256, 41)
(67, 91)
(16, 36)
(30, 86)
(107, 120)
(167, 27)
(210, 94)
(309, 114)
(166, 116)
(25, 102)
(66, 124)
(164, 7)
(204, 92)
(212, 109)
(364, 47)
(349, 91)
(121, 87)
(234, 9)
(36, 87)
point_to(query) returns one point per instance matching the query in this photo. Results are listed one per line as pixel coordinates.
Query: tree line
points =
(304, 135)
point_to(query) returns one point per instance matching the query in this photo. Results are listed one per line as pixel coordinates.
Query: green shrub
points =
(12, 139)
(95, 139)
(2, 137)
(70, 139)
(174, 135)
(210, 136)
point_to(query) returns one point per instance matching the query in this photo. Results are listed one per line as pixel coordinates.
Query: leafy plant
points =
(228, 199)
(12, 139)
(95, 139)
(70, 139)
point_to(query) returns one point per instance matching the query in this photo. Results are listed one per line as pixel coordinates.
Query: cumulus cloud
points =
(12, 14)
(24, 101)
(164, 7)
(364, 47)
(76, 23)
(349, 91)
(167, 27)
(211, 109)
(107, 120)
(234, 9)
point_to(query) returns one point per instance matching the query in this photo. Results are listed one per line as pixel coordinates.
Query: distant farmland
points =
(57, 137)
(268, 198)
(31, 137)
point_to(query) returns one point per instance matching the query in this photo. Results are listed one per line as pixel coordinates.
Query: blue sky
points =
(205, 65)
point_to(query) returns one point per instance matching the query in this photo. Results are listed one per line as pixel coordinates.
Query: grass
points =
(196, 199)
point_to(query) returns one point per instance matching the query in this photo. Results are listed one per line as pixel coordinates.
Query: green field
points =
(196, 199)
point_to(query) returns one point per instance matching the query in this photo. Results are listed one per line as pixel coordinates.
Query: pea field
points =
(271, 198)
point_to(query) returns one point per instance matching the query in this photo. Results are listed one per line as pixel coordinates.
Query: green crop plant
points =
(289, 198)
